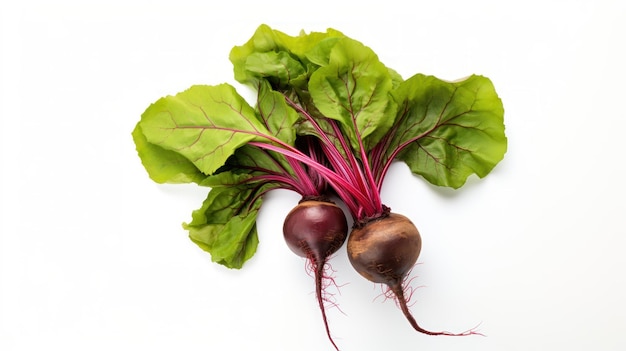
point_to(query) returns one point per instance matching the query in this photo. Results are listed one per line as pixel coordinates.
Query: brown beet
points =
(383, 251)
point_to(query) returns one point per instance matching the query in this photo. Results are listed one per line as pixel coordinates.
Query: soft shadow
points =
(473, 182)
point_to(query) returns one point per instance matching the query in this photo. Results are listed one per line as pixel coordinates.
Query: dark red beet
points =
(315, 230)
(384, 251)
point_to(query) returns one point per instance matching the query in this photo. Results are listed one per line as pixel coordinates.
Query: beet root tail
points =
(319, 274)
(398, 291)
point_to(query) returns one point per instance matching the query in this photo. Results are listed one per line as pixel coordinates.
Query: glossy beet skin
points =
(385, 250)
(315, 229)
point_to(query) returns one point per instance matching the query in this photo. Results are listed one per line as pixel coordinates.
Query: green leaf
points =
(205, 124)
(278, 117)
(279, 68)
(248, 161)
(453, 129)
(252, 159)
(312, 47)
(225, 225)
(226, 178)
(263, 40)
(284, 60)
(354, 89)
(164, 166)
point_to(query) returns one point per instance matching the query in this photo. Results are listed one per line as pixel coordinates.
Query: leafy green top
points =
(321, 86)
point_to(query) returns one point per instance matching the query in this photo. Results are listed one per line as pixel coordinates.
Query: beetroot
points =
(383, 251)
(315, 230)
(329, 117)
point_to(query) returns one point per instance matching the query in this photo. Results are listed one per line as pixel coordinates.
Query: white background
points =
(93, 256)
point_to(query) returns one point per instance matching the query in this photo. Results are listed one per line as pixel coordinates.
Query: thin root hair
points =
(407, 287)
(327, 282)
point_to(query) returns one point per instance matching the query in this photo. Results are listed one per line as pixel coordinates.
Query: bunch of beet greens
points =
(328, 122)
